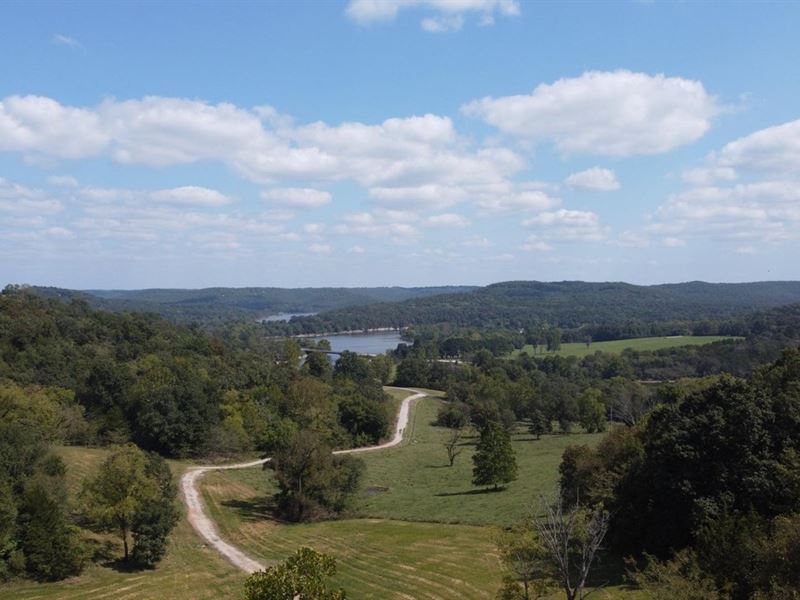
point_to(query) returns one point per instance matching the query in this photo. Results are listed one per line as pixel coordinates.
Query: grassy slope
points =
(391, 558)
(616, 346)
(378, 558)
(422, 487)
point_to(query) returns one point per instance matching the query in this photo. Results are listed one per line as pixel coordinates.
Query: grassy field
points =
(419, 485)
(376, 558)
(616, 346)
(414, 482)
(392, 557)
(396, 551)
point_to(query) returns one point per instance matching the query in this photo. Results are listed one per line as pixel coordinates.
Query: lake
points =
(283, 317)
(363, 343)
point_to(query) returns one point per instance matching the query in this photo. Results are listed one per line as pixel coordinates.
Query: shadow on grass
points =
(120, 565)
(437, 466)
(473, 492)
(254, 509)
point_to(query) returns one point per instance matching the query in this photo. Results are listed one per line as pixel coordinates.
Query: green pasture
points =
(419, 531)
(580, 349)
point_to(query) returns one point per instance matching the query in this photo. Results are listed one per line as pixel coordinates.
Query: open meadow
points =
(420, 530)
(414, 482)
(424, 531)
(581, 349)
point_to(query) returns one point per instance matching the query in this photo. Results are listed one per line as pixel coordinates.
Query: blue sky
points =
(418, 142)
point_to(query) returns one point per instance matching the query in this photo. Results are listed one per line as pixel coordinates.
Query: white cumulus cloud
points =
(297, 197)
(191, 195)
(448, 15)
(614, 113)
(399, 159)
(771, 149)
(19, 200)
(35, 124)
(516, 199)
(423, 196)
(595, 179)
(372, 225)
(535, 244)
(764, 210)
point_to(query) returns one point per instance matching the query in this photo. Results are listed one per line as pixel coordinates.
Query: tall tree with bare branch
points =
(451, 445)
(572, 537)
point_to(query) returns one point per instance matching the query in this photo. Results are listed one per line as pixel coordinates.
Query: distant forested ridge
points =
(220, 304)
(567, 304)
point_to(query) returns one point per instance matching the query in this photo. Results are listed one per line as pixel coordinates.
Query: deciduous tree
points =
(301, 577)
(494, 460)
(572, 537)
(313, 481)
(592, 411)
(118, 490)
(451, 445)
(155, 518)
(524, 555)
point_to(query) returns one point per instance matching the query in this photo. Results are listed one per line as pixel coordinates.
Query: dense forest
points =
(570, 304)
(175, 389)
(704, 493)
(220, 306)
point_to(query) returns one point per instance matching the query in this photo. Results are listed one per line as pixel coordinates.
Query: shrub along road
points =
(201, 522)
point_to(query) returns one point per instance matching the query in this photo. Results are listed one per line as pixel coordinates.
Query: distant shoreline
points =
(350, 332)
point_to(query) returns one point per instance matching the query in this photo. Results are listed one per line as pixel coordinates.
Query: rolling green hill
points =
(219, 304)
(567, 304)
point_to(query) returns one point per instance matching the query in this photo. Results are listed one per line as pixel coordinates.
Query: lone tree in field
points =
(301, 576)
(494, 462)
(451, 443)
(314, 483)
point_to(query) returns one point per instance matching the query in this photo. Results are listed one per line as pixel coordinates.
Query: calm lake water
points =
(364, 343)
(284, 317)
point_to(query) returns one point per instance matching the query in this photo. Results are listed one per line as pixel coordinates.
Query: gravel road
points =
(203, 524)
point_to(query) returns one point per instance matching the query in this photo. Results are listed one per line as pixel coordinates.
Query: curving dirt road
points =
(205, 526)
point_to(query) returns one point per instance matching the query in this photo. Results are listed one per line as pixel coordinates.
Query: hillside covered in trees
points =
(221, 305)
(177, 390)
(568, 304)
